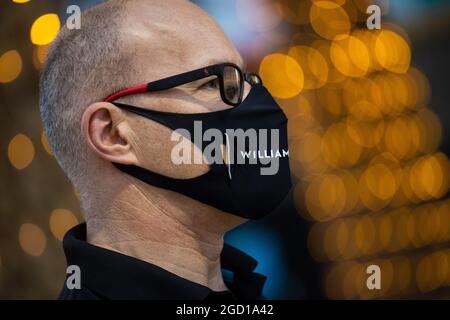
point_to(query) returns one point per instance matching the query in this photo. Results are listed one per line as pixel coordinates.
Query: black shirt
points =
(106, 274)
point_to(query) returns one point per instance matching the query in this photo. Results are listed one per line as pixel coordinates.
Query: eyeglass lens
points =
(232, 84)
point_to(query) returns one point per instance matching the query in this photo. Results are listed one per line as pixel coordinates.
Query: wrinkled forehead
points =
(163, 42)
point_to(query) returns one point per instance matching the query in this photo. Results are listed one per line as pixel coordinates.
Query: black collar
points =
(112, 275)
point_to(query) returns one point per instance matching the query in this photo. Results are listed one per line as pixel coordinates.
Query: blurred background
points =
(368, 116)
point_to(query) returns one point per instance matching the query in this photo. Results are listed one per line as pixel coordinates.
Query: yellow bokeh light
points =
(298, 106)
(338, 149)
(350, 251)
(332, 195)
(312, 169)
(21, 1)
(10, 66)
(400, 91)
(366, 226)
(428, 177)
(402, 222)
(368, 198)
(392, 51)
(444, 167)
(39, 55)
(351, 189)
(397, 140)
(282, 75)
(366, 134)
(298, 126)
(441, 266)
(44, 29)
(329, 19)
(329, 240)
(32, 239)
(424, 274)
(325, 197)
(433, 167)
(403, 272)
(385, 229)
(308, 148)
(313, 64)
(368, 37)
(349, 285)
(61, 220)
(350, 56)
(323, 46)
(342, 237)
(388, 276)
(330, 99)
(420, 87)
(430, 128)
(386, 102)
(20, 151)
(424, 232)
(312, 200)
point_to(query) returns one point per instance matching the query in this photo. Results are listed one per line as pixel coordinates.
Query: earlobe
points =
(106, 131)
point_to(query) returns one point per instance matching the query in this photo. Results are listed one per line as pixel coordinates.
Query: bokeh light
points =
(61, 220)
(392, 51)
(350, 56)
(10, 66)
(20, 151)
(44, 29)
(313, 64)
(32, 239)
(39, 55)
(282, 75)
(329, 19)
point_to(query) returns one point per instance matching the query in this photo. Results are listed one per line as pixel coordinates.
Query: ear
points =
(107, 133)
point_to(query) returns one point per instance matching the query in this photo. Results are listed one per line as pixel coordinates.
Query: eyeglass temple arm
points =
(125, 92)
(162, 84)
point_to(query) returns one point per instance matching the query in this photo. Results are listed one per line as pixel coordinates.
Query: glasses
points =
(230, 77)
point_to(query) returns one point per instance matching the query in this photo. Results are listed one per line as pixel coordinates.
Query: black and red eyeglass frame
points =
(186, 77)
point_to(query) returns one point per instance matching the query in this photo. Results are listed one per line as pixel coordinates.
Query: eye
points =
(212, 84)
(231, 92)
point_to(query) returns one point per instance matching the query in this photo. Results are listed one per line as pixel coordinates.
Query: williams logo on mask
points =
(234, 146)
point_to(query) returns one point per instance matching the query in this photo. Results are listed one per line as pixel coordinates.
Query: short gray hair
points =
(82, 67)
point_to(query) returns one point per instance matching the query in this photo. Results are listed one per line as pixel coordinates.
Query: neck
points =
(163, 228)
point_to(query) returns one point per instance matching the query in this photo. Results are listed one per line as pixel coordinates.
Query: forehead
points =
(177, 41)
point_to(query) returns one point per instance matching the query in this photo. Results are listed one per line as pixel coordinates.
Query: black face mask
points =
(238, 188)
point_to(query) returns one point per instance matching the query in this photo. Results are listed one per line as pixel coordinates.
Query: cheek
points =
(156, 151)
(196, 101)
(247, 88)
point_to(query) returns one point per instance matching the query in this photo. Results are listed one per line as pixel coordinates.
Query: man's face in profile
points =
(163, 43)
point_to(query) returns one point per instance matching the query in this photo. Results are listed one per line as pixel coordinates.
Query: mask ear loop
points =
(228, 155)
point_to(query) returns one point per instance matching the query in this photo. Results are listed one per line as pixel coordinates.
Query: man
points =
(154, 228)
